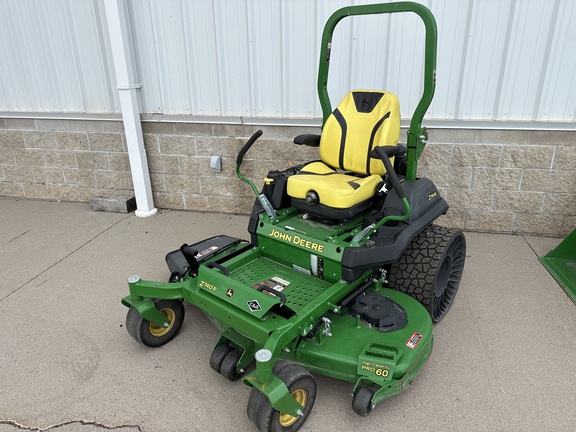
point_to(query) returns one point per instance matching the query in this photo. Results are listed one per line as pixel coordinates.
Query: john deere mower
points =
(344, 273)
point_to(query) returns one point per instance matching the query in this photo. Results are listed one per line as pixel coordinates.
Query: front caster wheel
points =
(153, 335)
(302, 387)
(362, 401)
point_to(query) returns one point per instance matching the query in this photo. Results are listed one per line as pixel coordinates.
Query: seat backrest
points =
(363, 120)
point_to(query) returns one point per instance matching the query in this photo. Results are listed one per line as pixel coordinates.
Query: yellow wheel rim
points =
(301, 397)
(159, 331)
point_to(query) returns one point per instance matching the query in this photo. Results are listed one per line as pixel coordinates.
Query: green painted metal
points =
(310, 298)
(417, 136)
(561, 263)
(147, 310)
(247, 180)
(369, 352)
(140, 298)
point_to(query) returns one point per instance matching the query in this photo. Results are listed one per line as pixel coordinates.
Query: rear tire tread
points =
(416, 270)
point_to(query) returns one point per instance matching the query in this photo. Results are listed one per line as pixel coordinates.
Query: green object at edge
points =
(561, 263)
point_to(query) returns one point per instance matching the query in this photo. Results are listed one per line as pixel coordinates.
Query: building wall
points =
(495, 181)
(498, 60)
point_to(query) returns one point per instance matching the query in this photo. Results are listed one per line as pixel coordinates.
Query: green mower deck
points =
(306, 324)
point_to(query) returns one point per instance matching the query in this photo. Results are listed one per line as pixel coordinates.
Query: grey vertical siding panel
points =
(54, 58)
(504, 60)
(558, 100)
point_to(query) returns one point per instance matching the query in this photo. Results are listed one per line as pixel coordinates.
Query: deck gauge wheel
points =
(362, 401)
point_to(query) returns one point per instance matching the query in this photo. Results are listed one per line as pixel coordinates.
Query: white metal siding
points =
(55, 57)
(506, 60)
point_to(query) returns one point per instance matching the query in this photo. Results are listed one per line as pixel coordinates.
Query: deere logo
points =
(229, 292)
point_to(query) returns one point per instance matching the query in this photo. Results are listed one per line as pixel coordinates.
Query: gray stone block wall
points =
(494, 180)
(505, 181)
(63, 160)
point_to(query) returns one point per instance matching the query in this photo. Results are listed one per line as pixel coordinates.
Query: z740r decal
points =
(207, 285)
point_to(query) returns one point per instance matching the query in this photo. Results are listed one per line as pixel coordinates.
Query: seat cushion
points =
(363, 120)
(334, 189)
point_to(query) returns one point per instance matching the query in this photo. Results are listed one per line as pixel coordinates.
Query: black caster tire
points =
(362, 401)
(302, 387)
(150, 334)
(229, 366)
(218, 356)
(430, 269)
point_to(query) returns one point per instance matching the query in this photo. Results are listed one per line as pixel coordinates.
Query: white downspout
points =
(130, 105)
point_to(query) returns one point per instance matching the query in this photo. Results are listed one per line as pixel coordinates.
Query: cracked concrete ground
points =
(503, 357)
(72, 426)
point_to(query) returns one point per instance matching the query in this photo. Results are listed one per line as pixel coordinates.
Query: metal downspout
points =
(130, 105)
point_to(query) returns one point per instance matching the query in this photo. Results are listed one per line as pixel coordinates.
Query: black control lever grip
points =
(247, 146)
(382, 153)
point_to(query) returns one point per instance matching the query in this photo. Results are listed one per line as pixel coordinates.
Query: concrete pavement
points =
(503, 358)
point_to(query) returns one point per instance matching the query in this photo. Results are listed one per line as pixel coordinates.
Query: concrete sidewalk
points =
(503, 358)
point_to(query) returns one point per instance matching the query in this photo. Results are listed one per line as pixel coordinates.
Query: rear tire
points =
(430, 269)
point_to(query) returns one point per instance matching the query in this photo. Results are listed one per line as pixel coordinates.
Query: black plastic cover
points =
(205, 249)
(312, 140)
(332, 212)
(389, 241)
(380, 311)
(422, 194)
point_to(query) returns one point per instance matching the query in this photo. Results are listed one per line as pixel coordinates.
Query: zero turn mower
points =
(344, 272)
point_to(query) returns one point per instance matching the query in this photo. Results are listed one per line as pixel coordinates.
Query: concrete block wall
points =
(505, 181)
(179, 161)
(63, 160)
(494, 180)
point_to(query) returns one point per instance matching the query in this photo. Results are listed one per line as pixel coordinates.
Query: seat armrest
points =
(311, 140)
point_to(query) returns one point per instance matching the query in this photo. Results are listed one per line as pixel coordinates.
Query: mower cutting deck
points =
(344, 272)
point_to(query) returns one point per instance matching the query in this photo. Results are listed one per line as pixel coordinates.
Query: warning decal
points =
(414, 340)
(206, 251)
(254, 306)
(276, 283)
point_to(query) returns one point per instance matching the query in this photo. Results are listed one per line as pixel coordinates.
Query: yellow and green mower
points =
(345, 271)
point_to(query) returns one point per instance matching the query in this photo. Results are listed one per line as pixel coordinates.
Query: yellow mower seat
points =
(344, 182)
